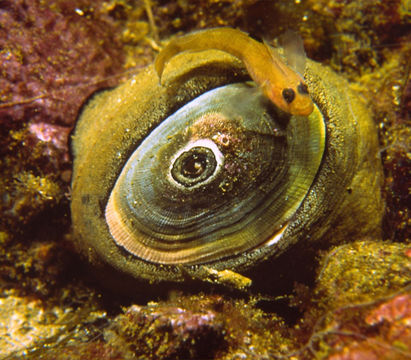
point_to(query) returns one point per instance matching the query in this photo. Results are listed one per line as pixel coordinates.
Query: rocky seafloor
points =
(355, 302)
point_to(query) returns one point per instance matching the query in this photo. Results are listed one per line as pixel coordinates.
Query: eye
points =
(289, 95)
(302, 88)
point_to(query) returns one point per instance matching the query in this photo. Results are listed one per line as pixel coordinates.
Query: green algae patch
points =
(362, 271)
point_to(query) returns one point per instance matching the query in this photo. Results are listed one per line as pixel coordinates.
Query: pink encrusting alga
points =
(53, 56)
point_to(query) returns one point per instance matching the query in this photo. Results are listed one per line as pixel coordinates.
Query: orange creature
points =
(282, 85)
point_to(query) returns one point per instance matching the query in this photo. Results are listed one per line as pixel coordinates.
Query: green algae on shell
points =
(337, 200)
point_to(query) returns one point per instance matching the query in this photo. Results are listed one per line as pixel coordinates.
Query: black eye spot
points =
(289, 95)
(302, 88)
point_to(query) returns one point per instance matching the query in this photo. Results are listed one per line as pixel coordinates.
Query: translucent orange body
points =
(281, 84)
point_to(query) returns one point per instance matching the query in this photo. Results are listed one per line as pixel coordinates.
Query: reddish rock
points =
(54, 54)
(371, 331)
